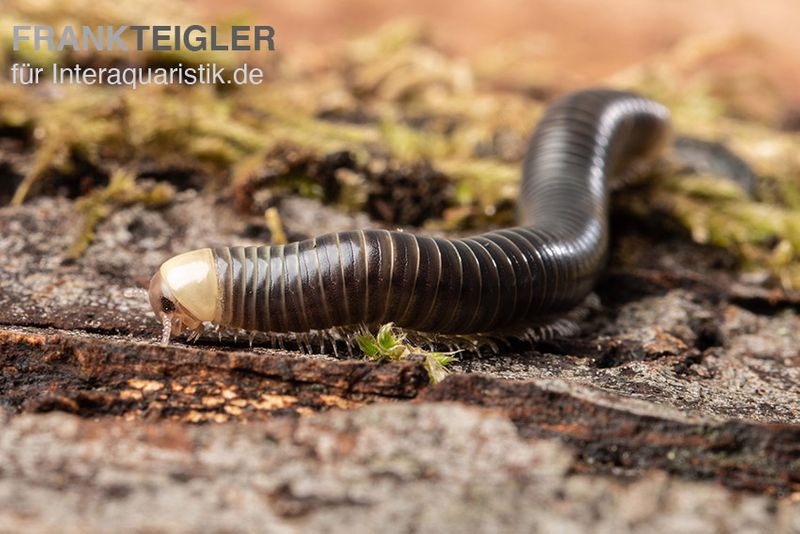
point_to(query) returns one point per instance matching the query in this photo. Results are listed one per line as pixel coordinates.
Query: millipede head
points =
(184, 292)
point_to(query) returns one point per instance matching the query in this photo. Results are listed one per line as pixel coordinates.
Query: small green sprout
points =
(391, 343)
(435, 364)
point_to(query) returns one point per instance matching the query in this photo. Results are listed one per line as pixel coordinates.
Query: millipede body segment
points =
(495, 281)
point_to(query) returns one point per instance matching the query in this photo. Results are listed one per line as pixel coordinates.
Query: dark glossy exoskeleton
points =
(492, 281)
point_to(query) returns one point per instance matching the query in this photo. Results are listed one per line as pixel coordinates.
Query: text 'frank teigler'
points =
(194, 38)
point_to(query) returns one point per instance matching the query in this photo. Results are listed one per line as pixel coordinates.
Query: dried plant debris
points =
(388, 190)
(122, 190)
(391, 125)
(289, 169)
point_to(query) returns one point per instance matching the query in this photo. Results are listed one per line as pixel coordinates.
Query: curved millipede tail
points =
(502, 281)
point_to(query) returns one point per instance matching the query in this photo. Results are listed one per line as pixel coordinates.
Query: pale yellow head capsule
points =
(184, 293)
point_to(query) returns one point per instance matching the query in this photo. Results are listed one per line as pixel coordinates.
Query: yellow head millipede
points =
(496, 281)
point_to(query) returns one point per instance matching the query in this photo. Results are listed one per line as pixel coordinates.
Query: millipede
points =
(504, 282)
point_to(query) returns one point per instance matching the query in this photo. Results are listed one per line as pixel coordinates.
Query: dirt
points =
(683, 383)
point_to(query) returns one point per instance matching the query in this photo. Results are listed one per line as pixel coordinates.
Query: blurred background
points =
(588, 41)
(414, 114)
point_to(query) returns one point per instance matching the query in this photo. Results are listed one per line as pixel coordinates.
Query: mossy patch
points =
(448, 132)
(123, 190)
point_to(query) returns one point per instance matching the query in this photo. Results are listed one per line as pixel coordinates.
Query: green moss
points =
(395, 95)
(705, 187)
(762, 235)
(122, 190)
(484, 184)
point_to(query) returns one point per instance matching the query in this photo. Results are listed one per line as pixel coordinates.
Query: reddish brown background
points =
(593, 38)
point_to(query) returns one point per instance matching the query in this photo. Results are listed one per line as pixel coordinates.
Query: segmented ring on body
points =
(496, 281)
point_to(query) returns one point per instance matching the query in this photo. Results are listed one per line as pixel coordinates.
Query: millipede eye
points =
(167, 306)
